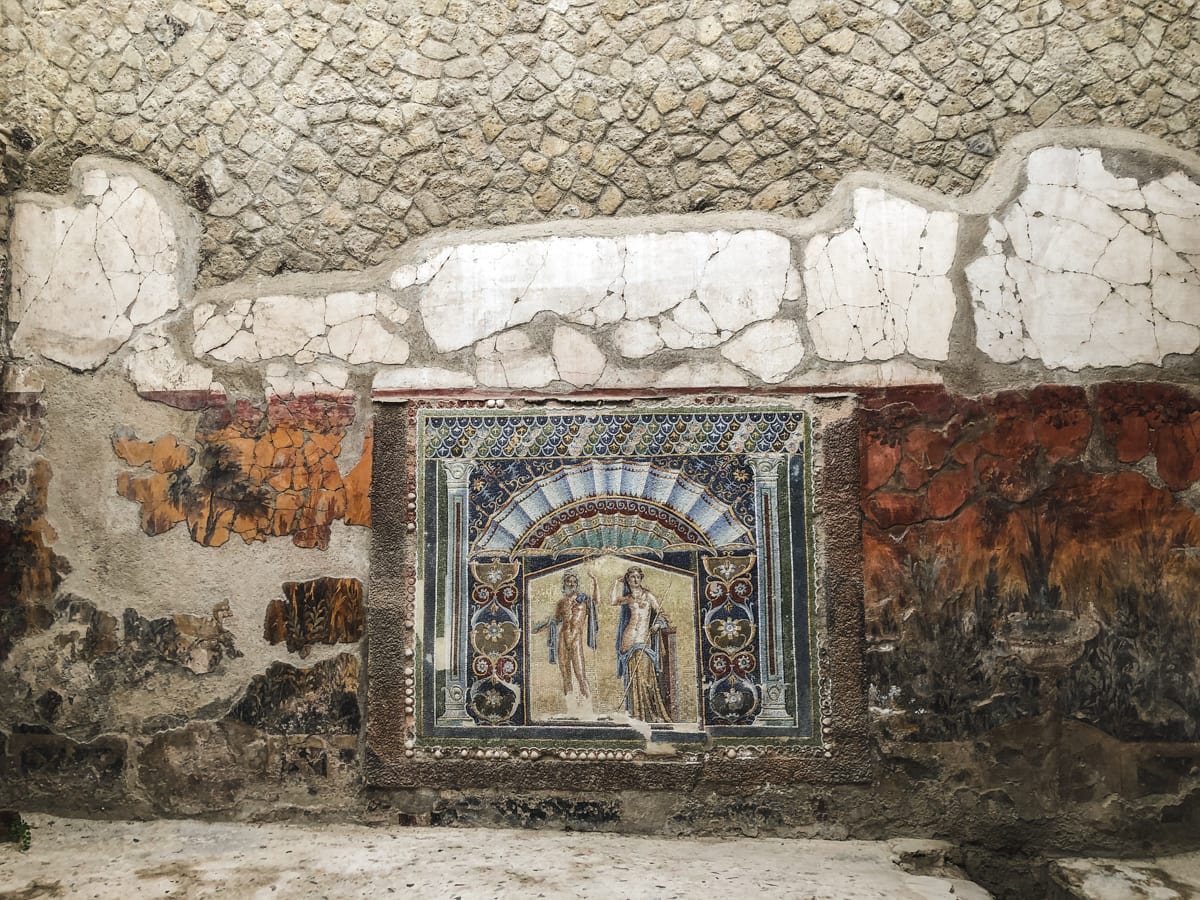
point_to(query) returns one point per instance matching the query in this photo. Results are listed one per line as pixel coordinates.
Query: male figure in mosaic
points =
(637, 646)
(572, 628)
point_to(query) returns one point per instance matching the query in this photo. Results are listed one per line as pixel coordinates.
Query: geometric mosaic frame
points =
(643, 584)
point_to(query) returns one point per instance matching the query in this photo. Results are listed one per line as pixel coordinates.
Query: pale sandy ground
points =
(1162, 878)
(79, 858)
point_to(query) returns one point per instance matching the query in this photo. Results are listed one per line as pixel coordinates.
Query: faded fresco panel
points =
(1020, 567)
(251, 472)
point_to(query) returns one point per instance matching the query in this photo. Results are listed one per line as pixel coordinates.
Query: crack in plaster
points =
(1090, 276)
(114, 265)
(866, 284)
(878, 289)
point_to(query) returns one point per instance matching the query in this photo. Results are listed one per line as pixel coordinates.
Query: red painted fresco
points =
(1024, 504)
(1160, 420)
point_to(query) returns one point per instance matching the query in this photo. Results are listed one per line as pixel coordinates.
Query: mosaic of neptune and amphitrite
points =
(614, 576)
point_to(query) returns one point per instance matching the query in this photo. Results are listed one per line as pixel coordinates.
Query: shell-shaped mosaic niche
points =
(622, 503)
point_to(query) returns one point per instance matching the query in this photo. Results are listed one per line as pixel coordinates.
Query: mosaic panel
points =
(613, 578)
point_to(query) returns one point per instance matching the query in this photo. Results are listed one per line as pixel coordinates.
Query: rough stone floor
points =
(78, 858)
(1162, 878)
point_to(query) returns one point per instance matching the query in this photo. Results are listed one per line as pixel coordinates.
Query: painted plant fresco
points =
(252, 473)
(608, 576)
(1033, 553)
(320, 699)
(324, 610)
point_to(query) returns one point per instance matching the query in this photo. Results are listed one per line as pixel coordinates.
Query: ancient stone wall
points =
(188, 457)
(318, 136)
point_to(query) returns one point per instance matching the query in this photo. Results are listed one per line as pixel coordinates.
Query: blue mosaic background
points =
(669, 433)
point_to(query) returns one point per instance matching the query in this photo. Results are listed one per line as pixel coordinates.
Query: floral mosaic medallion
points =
(612, 578)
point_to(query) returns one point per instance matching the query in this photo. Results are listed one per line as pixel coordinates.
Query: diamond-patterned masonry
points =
(323, 135)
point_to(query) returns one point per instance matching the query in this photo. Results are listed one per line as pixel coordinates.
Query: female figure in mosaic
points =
(638, 661)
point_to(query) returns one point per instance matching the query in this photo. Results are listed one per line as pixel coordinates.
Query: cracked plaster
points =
(594, 281)
(869, 280)
(1086, 268)
(578, 360)
(90, 267)
(510, 360)
(155, 366)
(881, 288)
(345, 325)
(768, 350)
(322, 378)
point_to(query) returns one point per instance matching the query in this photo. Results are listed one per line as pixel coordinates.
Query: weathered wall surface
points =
(317, 136)
(187, 477)
(186, 454)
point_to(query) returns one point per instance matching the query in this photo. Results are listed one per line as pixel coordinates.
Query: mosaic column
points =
(770, 627)
(455, 602)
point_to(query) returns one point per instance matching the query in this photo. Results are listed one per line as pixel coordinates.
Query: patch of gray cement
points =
(83, 858)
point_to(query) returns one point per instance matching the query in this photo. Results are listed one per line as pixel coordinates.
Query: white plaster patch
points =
(1182, 235)
(881, 288)
(421, 378)
(1096, 181)
(697, 373)
(768, 350)
(482, 289)
(1175, 195)
(344, 306)
(214, 330)
(155, 366)
(85, 274)
(420, 273)
(889, 373)
(1085, 269)
(578, 360)
(693, 373)
(746, 280)
(1053, 165)
(637, 339)
(510, 360)
(346, 325)
(690, 325)
(364, 340)
(388, 308)
(284, 325)
(662, 270)
(280, 380)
